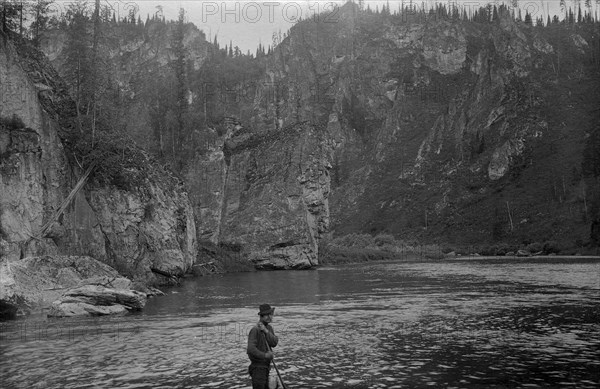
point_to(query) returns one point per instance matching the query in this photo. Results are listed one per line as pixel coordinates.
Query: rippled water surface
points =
(463, 324)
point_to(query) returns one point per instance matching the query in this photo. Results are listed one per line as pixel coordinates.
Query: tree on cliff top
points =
(78, 64)
(41, 18)
(10, 13)
(181, 89)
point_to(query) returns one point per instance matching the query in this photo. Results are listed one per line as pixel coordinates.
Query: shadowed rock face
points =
(149, 227)
(35, 176)
(273, 197)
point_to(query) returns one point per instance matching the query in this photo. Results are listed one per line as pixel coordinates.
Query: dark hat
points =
(265, 309)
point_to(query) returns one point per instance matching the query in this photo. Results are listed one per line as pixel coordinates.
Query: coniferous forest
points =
(162, 86)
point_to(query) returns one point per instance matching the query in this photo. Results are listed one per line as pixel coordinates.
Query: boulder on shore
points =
(63, 309)
(67, 285)
(97, 300)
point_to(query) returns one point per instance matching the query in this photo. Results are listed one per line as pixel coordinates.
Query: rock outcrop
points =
(151, 225)
(97, 300)
(273, 199)
(148, 223)
(65, 286)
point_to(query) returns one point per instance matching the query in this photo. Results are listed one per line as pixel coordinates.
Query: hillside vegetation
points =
(444, 126)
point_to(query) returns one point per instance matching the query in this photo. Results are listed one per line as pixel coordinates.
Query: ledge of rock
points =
(97, 300)
(67, 285)
(297, 257)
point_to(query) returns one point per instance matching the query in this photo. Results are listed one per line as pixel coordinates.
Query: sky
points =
(248, 23)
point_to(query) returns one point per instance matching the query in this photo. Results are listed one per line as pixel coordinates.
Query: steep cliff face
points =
(272, 200)
(36, 176)
(148, 223)
(149, 226)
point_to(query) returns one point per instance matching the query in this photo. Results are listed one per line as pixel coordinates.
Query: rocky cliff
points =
(430, 127)
(444, 130)
(146, 223)
(261, 192)
(266, 194)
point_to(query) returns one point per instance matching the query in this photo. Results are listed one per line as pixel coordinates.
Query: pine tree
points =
(179, 69)
(105, 14)
(539, 22)
(258, 50)
(571, 18)
(94, 66)
(132, 18)
(10, 15)
(21, 9)
(40, 22)
(77, 64)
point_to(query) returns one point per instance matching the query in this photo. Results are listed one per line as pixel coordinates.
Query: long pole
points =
(275, 366)
(509, 216)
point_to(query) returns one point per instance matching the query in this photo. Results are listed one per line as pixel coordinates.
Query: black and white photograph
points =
(299, 194)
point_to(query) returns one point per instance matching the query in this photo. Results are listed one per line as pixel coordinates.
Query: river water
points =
(462, 324)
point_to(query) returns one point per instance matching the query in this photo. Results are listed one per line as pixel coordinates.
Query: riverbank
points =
(65, 286)
(357, 248)
(516, 258)
(412, 257)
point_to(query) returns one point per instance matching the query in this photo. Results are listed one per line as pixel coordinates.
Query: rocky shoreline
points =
(75, 243)
(65, 286)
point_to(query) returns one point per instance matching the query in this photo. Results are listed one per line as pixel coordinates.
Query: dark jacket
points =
(257, 345)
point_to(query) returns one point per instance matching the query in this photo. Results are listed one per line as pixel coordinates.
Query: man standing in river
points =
(260, 340)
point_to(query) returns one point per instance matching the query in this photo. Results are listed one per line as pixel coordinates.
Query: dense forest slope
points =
(448, 130)
(430, 127)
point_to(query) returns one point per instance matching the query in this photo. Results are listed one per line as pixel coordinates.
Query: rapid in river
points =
(463, 323)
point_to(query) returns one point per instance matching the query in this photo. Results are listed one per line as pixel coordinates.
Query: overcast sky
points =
(246, 23)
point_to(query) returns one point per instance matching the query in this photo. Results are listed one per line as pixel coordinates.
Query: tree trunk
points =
(95, 65)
